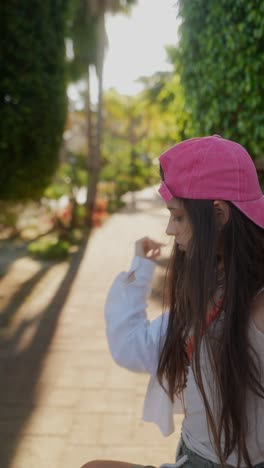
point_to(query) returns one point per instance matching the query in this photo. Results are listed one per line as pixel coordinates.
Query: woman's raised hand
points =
(148, 248)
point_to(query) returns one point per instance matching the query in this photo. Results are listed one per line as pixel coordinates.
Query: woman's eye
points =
(177, 218)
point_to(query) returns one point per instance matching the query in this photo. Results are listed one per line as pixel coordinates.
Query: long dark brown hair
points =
(193, 279)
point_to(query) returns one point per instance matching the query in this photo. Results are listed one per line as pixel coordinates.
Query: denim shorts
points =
(188, 459)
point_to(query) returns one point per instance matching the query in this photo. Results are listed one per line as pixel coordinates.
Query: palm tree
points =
(89, 45)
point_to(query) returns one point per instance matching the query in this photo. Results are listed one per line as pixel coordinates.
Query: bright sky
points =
(136, 46)
(136, 43)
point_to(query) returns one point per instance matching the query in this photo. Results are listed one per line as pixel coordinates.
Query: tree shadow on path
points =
(20, 370)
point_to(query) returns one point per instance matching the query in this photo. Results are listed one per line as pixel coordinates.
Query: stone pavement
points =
(63, 401)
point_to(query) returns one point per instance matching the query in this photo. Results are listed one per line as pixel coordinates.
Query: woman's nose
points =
(169, 231)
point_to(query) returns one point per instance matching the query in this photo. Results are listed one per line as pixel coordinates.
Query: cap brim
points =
(254, 210)
(164, 192)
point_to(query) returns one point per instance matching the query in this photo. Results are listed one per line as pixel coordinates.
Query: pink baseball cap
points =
(213, 168)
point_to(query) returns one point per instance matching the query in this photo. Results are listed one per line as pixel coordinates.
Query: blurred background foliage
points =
(221, 63)
(92, 157)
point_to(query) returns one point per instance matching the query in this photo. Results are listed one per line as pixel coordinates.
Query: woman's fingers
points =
(147, 247)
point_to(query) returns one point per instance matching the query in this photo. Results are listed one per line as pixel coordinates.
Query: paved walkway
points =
(63, 401)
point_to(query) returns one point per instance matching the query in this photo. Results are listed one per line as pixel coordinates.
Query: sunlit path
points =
(79, 405)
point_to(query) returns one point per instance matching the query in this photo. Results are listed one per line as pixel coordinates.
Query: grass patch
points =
(49, 249)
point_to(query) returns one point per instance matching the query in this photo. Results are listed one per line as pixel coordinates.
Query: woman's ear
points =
(222, 210)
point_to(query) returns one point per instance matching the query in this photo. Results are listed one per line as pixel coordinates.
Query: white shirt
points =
(135, 344)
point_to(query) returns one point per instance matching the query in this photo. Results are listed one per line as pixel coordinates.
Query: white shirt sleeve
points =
(134, 341)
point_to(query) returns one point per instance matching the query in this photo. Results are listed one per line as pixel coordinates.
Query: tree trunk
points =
(95, 128)
(133, 156)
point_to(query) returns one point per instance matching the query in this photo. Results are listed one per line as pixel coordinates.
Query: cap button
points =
(218, 136)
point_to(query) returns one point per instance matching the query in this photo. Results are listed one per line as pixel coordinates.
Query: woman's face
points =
(179, 225)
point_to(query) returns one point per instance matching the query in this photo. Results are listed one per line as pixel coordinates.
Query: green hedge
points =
(32, 94)
(221, 61)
